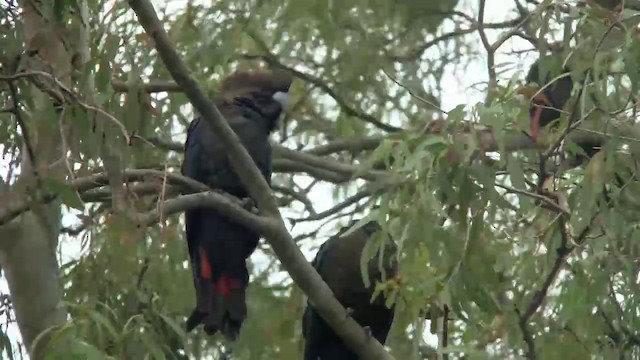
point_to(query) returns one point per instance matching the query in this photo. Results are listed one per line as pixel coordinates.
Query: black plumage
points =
(338, 263)
(547, 105)
(251, 102)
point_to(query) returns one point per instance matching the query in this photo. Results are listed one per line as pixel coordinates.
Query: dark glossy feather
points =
(558, 92)
(337, 262)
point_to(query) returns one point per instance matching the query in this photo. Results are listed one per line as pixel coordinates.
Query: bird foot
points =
(368, 332)
(349, 312)
(249, 205)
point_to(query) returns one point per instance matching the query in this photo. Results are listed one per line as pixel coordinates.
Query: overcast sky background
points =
(466, 87)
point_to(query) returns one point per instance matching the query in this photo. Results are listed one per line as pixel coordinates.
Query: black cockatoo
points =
(547, 105)
(252, 103)
(338, 263)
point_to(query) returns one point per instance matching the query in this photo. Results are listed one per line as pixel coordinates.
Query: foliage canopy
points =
(519, 277)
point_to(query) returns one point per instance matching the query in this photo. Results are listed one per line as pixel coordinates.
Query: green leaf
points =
(86, 350)
(458, 113)
(516, 173)
(179, 330)
(631, 58)
(65, 191)
(104, 322)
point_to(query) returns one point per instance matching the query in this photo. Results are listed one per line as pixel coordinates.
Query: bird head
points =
(265, 91)
(554, 86)
(548, 91)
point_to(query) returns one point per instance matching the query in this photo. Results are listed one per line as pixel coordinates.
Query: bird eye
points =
(282, 98)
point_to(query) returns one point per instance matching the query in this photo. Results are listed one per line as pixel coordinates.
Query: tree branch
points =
(327, 164)
(217, 201)
(17, 206)
(151, 87)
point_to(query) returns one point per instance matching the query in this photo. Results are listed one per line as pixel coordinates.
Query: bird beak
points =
(528, 91)
(282, 98)
(535, 94)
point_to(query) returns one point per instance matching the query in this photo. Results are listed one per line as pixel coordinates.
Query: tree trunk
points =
(29, 242)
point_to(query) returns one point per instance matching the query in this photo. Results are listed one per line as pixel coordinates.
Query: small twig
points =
(23, 128)
(515, 31)
(73, 231)
(64, 143)
(526, 335)
(552, 204)
(412, 93)
(143, 271)
(68, 96)
(493, 77)
(162, 197)
(300, 196)
(414, 54)
(336, 208)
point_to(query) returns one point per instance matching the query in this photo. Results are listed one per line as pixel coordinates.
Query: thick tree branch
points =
(294, 262)
(327, 164)
(352, 145)
(20, 204)
(151, 87)
(485, 138)
(210, 199)
(30, 264)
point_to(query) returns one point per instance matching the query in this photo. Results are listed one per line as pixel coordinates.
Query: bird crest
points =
(243, 82)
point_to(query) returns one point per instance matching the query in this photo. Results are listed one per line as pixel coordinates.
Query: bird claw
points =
(246, 203)
(249, 205)
(368, 332)
(349, 312)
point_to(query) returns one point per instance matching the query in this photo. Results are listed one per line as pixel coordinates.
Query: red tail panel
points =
(225, 284)
(205, 265)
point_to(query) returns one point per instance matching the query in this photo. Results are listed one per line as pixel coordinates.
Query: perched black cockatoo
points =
(547, 105)
(251, 102)
(338, 263)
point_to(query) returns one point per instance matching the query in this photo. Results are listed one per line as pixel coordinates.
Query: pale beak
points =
(282, 98)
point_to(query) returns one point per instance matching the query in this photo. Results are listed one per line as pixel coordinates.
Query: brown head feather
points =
(241, 82)
(254, 85)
